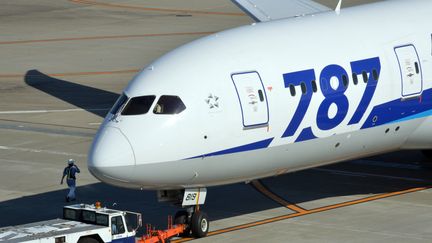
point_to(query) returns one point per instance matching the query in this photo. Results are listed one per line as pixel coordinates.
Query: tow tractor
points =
(84, 223)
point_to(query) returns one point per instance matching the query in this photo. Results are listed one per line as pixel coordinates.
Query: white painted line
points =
(42, 151)
(48, 111)
(95, 123)
(360, 174)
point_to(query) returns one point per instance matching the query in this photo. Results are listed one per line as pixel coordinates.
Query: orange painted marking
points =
(312, 211)
(182, 240)
(317, 210)
(103, 37)
(75, 74)
(130, 7)
(368, 199)
(264, 190)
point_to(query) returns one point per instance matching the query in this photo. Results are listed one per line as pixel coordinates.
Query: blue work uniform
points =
(70, 173)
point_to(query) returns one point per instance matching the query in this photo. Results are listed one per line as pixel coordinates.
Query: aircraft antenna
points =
(338, 7)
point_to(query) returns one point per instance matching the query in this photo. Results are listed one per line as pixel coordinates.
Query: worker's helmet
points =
(71, 161)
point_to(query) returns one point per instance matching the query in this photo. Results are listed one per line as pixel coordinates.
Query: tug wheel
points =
(199, 224)
(88, 240)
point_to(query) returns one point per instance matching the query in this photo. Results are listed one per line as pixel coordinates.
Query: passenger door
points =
(410, 69)
(252, 97)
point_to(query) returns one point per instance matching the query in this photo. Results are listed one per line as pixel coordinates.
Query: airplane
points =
(301, 87)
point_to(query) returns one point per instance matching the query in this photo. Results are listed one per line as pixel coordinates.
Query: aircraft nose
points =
(110, 156)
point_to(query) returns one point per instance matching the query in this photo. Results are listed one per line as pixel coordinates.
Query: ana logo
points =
(212, 101)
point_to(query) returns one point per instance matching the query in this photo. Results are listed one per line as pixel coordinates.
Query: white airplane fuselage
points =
(277, 97)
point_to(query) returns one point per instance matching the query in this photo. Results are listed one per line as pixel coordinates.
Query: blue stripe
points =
(417, 116)
(248, 147)
(400, 110)
(391, 112)
(305, 135)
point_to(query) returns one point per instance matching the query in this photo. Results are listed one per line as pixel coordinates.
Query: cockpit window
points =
(168, 104)
(119, 104)
(138, 105)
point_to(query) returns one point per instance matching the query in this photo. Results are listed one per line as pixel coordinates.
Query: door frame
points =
(240, 102)
(401, 75)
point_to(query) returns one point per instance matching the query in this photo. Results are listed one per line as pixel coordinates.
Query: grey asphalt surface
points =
(63, 64)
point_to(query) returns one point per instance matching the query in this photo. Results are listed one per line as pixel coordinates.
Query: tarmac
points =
(63, 64)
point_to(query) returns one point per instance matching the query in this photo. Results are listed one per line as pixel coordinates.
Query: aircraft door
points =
(410, 68)
(252, 98)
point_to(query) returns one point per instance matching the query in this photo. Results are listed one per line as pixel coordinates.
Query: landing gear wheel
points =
(199, 224)
(181, 217)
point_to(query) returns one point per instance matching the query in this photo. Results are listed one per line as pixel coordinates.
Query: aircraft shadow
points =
(224, 201)
(94, 100)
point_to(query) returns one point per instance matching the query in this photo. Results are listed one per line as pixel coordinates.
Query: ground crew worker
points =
(69, 172)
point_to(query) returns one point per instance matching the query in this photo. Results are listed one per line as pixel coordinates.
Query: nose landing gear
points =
(196, 220)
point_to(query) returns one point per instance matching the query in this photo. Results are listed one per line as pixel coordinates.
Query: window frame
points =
(120, 103)
(163, 113)
(129, 102)
(365, 77)
(67, 213)
(261, 95)
(86, 219)
(303, 88)
(292, 90)
(417, 67)
(345, 81)
(355, 78)
(314, 86)
(375, 74)
(118, 230)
